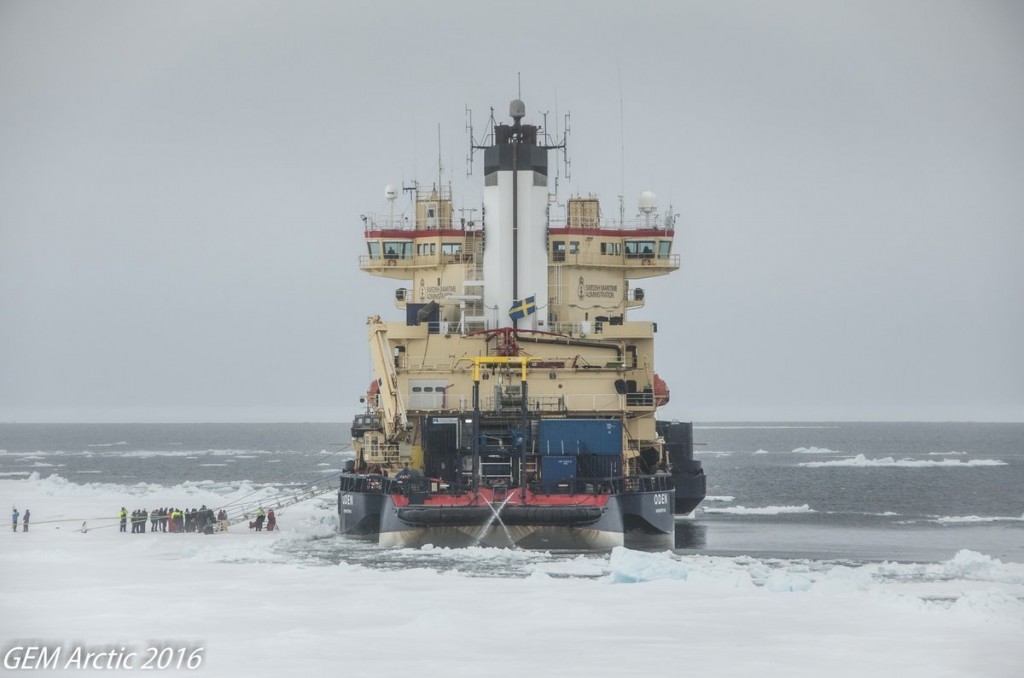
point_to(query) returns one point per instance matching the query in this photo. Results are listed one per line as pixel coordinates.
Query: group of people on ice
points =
(172, 519)
(257, 523)
(14, 520)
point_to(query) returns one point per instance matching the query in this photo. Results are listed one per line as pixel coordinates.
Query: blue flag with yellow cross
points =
(522, 308)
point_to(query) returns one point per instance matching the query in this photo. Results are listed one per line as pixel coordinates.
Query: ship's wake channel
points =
(496, 516)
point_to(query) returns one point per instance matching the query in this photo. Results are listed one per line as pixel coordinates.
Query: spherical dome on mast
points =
(647, 204)
(517, 109)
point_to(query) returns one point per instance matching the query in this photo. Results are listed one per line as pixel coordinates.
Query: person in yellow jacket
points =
(123, 515)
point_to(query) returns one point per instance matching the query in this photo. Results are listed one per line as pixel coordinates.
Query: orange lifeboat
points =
(371, 393)
(661, 394)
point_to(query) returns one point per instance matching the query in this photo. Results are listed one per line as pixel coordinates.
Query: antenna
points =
(469, 129)
(552, 196)
(470, 222)
(622, 150)
(565, 150)
(475, 145)
(440, 167)
(556, 136)
(415, 160)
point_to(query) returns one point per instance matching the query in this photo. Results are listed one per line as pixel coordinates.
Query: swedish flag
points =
(522, 308)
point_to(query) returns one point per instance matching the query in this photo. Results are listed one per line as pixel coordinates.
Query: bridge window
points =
(452, 252)
(374, 248)
(397, 249)
(639, 249)
(664, 248)
(558, 250)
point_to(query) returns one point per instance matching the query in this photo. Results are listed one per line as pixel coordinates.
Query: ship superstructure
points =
(515, 403)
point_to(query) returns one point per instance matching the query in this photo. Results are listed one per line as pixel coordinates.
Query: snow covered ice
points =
(266, 605)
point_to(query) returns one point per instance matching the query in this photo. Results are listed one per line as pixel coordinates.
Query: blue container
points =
(557, 469)
(598, 466)
(579, 436)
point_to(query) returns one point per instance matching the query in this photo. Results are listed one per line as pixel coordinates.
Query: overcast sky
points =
(181, 185)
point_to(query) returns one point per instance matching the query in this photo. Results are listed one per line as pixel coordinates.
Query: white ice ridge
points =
(860, 461)
(628, 566)
(720, 497)
(98, 499)
(143, 454)
(978, 519)
(815, 450)
(760, 511)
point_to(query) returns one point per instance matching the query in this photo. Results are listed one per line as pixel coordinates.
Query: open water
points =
(849, 492)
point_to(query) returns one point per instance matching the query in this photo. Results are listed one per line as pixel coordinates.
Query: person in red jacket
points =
(271, 521)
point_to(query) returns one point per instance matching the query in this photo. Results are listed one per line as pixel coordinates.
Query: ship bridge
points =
(590, 263)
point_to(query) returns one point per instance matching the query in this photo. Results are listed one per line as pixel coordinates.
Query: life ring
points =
(391, 262)
(647, 262)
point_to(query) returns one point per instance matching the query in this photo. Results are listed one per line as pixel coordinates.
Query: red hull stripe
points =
(486, 496)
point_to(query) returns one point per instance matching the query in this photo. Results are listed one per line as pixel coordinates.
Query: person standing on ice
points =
(271, 521)
(14, 519)
(24, 524)
(123, 515)
(259, 519)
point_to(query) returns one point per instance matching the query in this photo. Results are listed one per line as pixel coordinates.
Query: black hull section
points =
(687, 474)
(648, 520)
(691, 488)
(648, 512)
(359, 513)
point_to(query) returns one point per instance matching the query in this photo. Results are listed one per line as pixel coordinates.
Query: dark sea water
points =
(918, 492)
(844, 491)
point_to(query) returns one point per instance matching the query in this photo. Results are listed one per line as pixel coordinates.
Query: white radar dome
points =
(390, 193)
(647, 202)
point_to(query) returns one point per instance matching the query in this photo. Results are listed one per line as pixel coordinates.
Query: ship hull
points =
(639, 519)
(359, 512)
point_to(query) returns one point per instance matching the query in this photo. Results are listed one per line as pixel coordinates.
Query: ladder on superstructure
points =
(474, 315)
